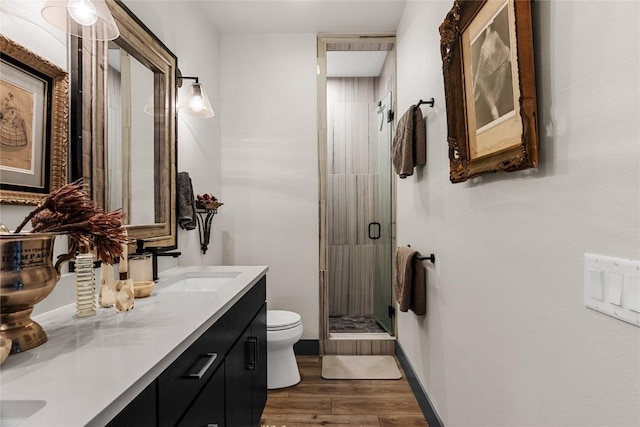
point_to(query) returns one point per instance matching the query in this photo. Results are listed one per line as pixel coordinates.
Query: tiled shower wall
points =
(352, 196)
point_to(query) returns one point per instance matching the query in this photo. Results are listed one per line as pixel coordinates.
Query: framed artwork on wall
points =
(489, 77)
(34, 115)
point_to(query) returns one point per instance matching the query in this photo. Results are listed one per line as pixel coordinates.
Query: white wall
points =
(185, 30)
(269, 165)
(506, 339)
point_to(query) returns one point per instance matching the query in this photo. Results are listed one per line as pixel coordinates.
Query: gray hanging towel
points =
(419, 138)
(186, 202)
(410, 284)
(409, 142)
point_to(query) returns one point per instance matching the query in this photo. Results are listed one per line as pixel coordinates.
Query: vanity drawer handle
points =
(203, 370)
(252, 355)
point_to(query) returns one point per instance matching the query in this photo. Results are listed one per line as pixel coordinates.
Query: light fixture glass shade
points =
(196, 103)
(83, 18)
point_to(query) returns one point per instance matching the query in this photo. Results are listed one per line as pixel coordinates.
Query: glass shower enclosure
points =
(381, 136)
(360, 208)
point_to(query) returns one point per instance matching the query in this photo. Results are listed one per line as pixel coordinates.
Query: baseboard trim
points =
(430, 415)
(307, 348)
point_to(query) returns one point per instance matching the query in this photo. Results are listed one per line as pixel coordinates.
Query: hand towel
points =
(419, 138)
(186, 202)
(409, 142)
(410, 286)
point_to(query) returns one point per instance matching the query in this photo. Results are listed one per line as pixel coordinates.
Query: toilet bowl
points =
(284, 329)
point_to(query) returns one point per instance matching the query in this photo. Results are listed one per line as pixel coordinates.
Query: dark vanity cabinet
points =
(141, 412)
(220, 380)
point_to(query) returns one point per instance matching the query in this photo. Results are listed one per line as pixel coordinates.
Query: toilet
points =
(284, 329)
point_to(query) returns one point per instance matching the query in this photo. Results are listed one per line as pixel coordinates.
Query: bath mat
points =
(360, 368)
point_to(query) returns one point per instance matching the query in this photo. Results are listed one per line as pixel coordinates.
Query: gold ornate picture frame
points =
(489, 78)
(34, 117)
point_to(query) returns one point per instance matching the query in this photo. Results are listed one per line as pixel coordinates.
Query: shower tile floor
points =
(354, 324)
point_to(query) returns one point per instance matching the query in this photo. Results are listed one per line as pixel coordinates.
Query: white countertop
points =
(91, 368)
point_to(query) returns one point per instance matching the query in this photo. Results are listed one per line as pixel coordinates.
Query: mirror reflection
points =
(130, 137)
(127, 156)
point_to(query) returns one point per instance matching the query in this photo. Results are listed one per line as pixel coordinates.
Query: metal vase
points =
(28, 275)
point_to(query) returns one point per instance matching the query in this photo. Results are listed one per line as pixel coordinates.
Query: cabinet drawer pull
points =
(252, 357)
(203, 370)
(212, 425)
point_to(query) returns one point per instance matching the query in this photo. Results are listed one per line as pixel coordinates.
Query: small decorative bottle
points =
(124, 291)
(85, 285)
(107, 286)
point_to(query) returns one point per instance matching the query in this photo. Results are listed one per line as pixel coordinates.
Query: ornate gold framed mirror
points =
(123, 126)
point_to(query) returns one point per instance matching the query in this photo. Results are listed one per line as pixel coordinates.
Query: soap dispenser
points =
(141, 264)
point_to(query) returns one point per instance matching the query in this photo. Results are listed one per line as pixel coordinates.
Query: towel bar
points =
(431, 258)
(430, 102)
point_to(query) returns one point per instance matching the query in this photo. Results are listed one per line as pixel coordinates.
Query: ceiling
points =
(312, 16)
(304, 16)
(355, 63)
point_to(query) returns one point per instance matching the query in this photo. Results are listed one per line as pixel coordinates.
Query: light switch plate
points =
(619, 293)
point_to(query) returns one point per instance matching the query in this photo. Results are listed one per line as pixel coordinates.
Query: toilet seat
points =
(281, 320)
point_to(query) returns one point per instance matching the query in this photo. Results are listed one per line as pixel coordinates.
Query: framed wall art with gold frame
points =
(489, 77)
(34, 115)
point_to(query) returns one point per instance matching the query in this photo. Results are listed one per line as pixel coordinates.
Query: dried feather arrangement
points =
(71, 210)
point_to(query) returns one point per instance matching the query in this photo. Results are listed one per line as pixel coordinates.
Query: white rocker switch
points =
(633, 294)
(616, 280)
(596, 283)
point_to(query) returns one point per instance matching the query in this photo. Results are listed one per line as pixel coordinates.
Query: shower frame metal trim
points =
(328, 345)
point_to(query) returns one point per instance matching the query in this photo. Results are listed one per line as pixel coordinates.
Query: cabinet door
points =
(208, 408)
(259, 375)
(238, 382)
(246, 374)
(141, 412)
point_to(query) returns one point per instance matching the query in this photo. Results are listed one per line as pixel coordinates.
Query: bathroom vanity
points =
(194, 353)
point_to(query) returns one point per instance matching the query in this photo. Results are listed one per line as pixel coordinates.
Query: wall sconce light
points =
(83, 18)
(196, 103)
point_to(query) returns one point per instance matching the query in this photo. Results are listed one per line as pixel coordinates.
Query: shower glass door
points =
(380, 231)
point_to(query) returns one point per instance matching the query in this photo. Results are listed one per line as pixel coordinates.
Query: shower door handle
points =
(372, 226)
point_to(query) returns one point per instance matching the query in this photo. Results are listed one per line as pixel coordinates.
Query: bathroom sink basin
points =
(14, 412)
(200, 284)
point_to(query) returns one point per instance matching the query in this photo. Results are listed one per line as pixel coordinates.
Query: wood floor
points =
(318, 402)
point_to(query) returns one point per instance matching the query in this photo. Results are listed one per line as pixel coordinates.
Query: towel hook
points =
(430, 102)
